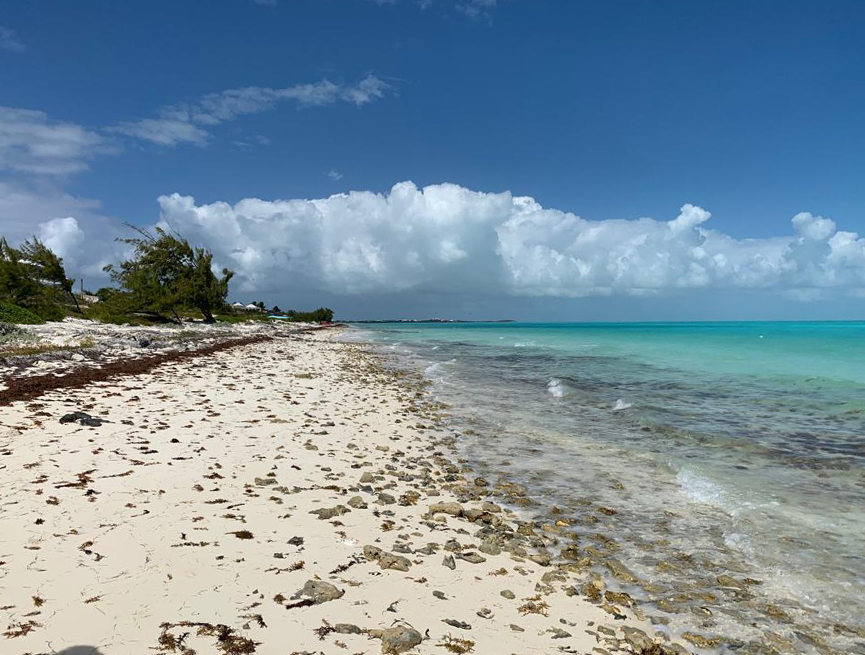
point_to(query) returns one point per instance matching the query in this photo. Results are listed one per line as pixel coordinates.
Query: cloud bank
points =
(446, 239)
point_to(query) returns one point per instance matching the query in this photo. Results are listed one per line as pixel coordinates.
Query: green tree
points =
(166, 273)
(17, 283)
(48, 267)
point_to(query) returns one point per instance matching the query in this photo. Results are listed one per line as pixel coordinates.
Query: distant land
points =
(425, 320)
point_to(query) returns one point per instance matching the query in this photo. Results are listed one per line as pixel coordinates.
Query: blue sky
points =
(619, 110)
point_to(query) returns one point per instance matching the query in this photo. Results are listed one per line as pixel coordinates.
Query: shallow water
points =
(728, 451)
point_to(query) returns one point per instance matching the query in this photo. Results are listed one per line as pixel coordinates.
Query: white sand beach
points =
(289, 496)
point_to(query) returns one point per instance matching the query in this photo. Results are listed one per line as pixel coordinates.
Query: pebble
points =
(454, 623)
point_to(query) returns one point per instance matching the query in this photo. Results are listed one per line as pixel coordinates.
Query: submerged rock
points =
(637, 639)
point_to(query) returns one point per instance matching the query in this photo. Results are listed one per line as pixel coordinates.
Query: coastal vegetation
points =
(33, 283)
(166, 273)
(165, 279)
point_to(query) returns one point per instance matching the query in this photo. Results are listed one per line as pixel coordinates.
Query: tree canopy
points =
(166, 273)
(33, 276)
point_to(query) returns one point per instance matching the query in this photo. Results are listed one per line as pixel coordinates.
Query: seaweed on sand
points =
(227, 640)
(456, 645)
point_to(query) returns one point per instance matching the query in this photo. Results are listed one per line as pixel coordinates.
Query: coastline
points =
(290, 495)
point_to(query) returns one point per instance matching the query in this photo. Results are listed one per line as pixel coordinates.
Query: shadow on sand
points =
(80, 650)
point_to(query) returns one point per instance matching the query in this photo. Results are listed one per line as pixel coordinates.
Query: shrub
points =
(18, 315)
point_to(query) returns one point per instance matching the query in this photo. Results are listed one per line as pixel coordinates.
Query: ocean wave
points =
(701, 489)
(621, 405)
(437, 370)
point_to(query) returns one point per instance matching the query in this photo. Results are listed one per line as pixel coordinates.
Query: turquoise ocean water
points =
(733, 455)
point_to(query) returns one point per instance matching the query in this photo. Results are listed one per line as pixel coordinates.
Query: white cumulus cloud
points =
(446, 238)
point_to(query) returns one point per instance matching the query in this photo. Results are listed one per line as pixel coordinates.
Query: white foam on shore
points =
(701, 489)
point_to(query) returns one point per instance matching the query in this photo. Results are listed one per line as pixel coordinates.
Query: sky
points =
(528, 159)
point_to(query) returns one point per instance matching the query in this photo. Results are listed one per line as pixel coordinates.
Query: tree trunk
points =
(75, 300)
(208, 315)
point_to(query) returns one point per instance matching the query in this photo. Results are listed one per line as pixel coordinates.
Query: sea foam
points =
(556, 387)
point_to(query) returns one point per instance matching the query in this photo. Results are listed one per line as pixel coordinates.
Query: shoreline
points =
(226, 485)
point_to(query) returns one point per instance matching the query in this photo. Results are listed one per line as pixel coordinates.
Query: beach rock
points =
(637, 639)
(507, 593)
(82, 418)
(489, 547)
(516, 628)
(397, 640)
(542, 559)
(440, 595)
(330, 512)
(462, 625)
(319, 592)
(347, 629)
(356, 502)
(395, 562)
(620, 571)
(372, 553)
(367, 478)
(386, 560)
(571, 553)
(701, 641)
(619, 598)
(472, 558)
(453, 509)
(386, 499)
(449, 562)
(558, 633)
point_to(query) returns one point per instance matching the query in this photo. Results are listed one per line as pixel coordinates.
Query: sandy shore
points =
(288, 496)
